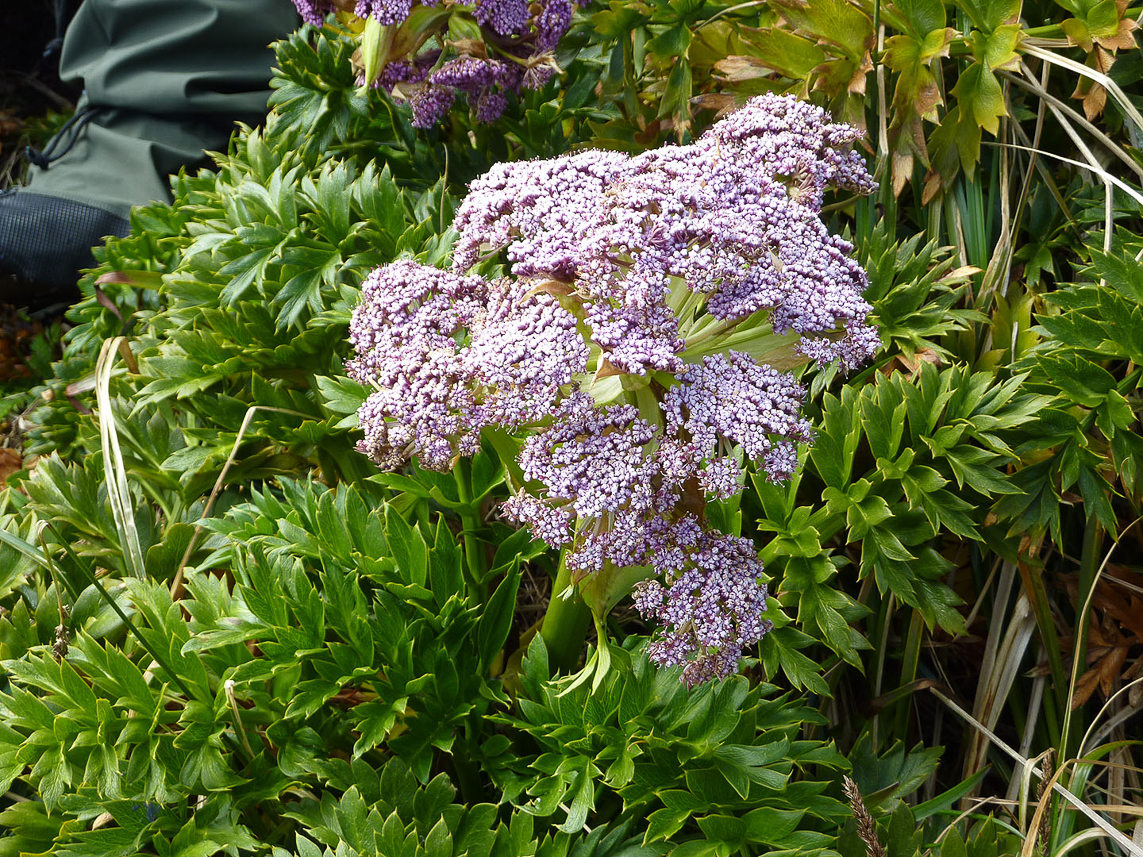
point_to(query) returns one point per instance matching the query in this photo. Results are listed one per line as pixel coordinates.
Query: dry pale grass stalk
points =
(1009, 636)
(114, 469)
(866, 826)
(1105, 828)
(1066, 116)
(1105, 176)
(1103, 80)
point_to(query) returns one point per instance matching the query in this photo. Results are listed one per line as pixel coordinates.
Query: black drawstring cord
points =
(71, 130)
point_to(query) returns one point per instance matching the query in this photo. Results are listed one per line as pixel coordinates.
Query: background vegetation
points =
(223, 630)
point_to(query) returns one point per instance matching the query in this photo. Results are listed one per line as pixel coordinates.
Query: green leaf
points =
(723, 828)
(373, 45)
(923, 16)
(697, 848)
(981, 96)
(304, 291)
(834, 22)
(665, 822)
(492, 630)
(445, 575)
(779, 650)
(744, 764)
(770, 825)
(987, 15)
(1083, 381)
(162, 560)
(581, 794)
(777, 49)
(677, 98)
(904, 837)
(997, 49)
(672, 43)
(408, 547)
(245, 272)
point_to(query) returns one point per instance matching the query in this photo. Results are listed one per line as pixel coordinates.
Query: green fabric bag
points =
(163, 80)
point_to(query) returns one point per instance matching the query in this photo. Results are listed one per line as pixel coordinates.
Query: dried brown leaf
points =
(11, 461)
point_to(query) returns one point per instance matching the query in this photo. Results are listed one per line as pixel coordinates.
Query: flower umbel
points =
(430, 69)
(641, 342)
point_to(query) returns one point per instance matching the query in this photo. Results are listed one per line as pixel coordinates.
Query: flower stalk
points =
(566, 621)
(475, 561)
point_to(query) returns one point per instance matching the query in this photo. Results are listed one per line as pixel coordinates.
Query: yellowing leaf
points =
(906, 146)
(1093, 94)
(936, 43)
(955, 144)
(979, 91)
(998, 49)
(720, 102)
(1077, 32)
(901, 52)
(917, 90)
(737, 68)
(778, 49)
(1109, 27)
(835, 23)
(841, 76)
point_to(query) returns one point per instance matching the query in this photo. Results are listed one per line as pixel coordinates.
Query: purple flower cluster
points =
(386, 12)
(518, 40)
(730, 399)
(735, 216)
(503, 17)
(447, 355)
(407, 71)
(524, 35)
(482, 81)
(624, 343)
(710, 596)
(551, 24)
(314, 11)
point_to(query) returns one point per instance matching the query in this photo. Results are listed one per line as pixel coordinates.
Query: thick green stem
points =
(467, 771)
(565, 624)
(474, 559)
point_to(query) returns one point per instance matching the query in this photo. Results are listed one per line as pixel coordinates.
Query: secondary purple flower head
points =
(430, 104)
(314, 11)
(503, 17)
(519, 40)
(628, 345)
(591, 457)
(387, 12)
(552, 23)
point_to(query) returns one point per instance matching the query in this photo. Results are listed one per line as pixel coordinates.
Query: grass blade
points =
(114, 470)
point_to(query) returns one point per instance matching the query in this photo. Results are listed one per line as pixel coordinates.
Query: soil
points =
(29, 80)
(32, 100)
